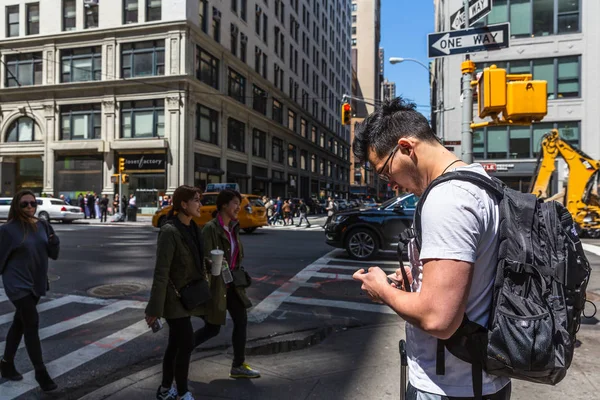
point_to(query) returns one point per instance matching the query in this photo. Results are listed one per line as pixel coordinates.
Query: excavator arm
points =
(582, 171)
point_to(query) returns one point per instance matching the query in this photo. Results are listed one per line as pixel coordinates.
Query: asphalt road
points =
(91, 336)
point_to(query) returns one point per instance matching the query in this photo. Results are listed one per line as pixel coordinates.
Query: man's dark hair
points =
(381, 130)
(225, 196)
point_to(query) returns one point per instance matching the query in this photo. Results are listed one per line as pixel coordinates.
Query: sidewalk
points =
(358, 363)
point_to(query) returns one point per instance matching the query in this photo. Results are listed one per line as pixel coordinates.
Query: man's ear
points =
(405, 146)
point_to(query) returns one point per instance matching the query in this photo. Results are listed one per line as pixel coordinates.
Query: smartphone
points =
(157, 325)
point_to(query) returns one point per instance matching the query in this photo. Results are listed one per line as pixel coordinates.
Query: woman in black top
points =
(25, 245)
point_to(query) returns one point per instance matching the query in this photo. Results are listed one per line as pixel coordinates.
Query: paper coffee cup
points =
(217, 261)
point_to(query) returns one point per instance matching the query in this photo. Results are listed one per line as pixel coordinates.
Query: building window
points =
(243, 47)
(313, 134)
(313, 163)
(259, 100)
(216, 25)
(292, 156)
(277, 150)
(23, 130)
(207, 124)
(354, 30)
(234, 39)
(207, 68)
(81, 65)
(303, 128)
(33, 18)
(259, 143)
(236, 132)
(143, 119)
(244, 10)
(292, 121)
(24, 69)
(303, 159)
(12, 21)
(237, 86)
(322, 140)
(530, 18)
(130, 11)
(354, 7)
(69, 15)
(562, 73)
(91, 15)
(80, 122)
(277, 111)
(203, 9)
(153, 10)
(143, 59)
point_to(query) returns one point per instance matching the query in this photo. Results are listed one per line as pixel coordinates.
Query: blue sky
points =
(404, 28)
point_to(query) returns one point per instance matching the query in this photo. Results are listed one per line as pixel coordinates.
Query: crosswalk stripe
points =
(61, 366)
(348, 305)
(49, 305)
(83, 319)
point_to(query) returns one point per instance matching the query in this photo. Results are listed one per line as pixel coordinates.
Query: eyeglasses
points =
(24, 204)
(384, 176)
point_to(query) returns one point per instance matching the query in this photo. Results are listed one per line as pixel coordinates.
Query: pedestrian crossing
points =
(106, 312)
(304, 228)
(326, 284)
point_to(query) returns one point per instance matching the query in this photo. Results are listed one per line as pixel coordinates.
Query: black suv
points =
(366, 231)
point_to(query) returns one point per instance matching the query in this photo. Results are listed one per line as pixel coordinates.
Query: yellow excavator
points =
(580, 192)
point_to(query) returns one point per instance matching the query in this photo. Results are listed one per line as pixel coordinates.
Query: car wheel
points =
(362, 244)
(249, 230)
(44, 216)
(161, 221)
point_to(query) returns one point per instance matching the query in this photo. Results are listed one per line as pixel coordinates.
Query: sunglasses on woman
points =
(24, 204)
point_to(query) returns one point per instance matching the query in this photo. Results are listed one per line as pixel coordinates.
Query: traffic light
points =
(121, 164)
(491, 91)
(124, 179)
(346, 114)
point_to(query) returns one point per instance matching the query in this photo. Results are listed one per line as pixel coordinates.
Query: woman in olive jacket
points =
(223, 232)
(179, 261)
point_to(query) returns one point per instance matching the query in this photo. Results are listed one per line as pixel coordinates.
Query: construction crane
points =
(580, 196)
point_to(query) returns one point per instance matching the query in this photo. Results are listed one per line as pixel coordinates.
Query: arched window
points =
(23, 130)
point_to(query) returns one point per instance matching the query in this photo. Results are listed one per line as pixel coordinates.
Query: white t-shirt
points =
(459, 221)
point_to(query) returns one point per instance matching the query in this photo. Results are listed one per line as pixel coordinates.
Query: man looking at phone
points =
(453, 273)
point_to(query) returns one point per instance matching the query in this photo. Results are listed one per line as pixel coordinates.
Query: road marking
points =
(348, 305)
(61, 366)
(272, 302)
(83, 319)
(49, 305)
(332, 276)
(591, 248)
(347, 268)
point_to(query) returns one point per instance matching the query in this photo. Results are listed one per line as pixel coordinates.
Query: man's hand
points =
(373, 282)
(397, 280)
(150, 320)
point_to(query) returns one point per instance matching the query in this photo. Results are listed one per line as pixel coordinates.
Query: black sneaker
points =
(8, 371)
(44, 380)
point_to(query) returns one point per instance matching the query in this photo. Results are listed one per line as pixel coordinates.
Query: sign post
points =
(468, 68)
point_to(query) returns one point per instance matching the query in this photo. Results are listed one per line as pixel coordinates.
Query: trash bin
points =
(131, 214)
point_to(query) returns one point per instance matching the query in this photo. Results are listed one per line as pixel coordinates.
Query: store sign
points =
(504, 167)
(144, 162)
(489, 167)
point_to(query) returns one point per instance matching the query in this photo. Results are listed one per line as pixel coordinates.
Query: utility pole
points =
(120, 193)
(467, 69)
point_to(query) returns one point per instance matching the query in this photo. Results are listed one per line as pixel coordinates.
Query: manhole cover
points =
(116, 290)
(53, 277)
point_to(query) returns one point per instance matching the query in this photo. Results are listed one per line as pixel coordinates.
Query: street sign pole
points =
(120, 193)
(468, 68)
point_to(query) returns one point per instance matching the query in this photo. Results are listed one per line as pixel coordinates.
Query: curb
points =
(273, 344)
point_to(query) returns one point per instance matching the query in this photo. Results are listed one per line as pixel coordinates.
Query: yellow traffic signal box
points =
(121, 165)
(491, 91)
(526, 100)
(124, 179)
(346, 114)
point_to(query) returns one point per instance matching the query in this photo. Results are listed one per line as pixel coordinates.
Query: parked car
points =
(4, 207)
(50, 209)
(252, 216)
(364, 232)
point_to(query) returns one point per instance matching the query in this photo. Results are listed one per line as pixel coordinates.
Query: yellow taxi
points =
(252, 216)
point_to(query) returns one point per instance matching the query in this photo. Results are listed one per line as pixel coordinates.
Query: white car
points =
(50, 209)
(4, 207)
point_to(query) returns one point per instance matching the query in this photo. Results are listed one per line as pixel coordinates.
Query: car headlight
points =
(338, 219)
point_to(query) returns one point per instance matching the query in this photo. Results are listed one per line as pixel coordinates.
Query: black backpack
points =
(538, 295)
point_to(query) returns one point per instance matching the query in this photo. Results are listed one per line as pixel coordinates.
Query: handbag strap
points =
(175, 289)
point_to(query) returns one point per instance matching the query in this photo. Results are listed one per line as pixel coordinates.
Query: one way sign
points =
(491, 37)
(477, 10)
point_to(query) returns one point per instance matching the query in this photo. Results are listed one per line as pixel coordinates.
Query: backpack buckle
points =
(407, 235)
